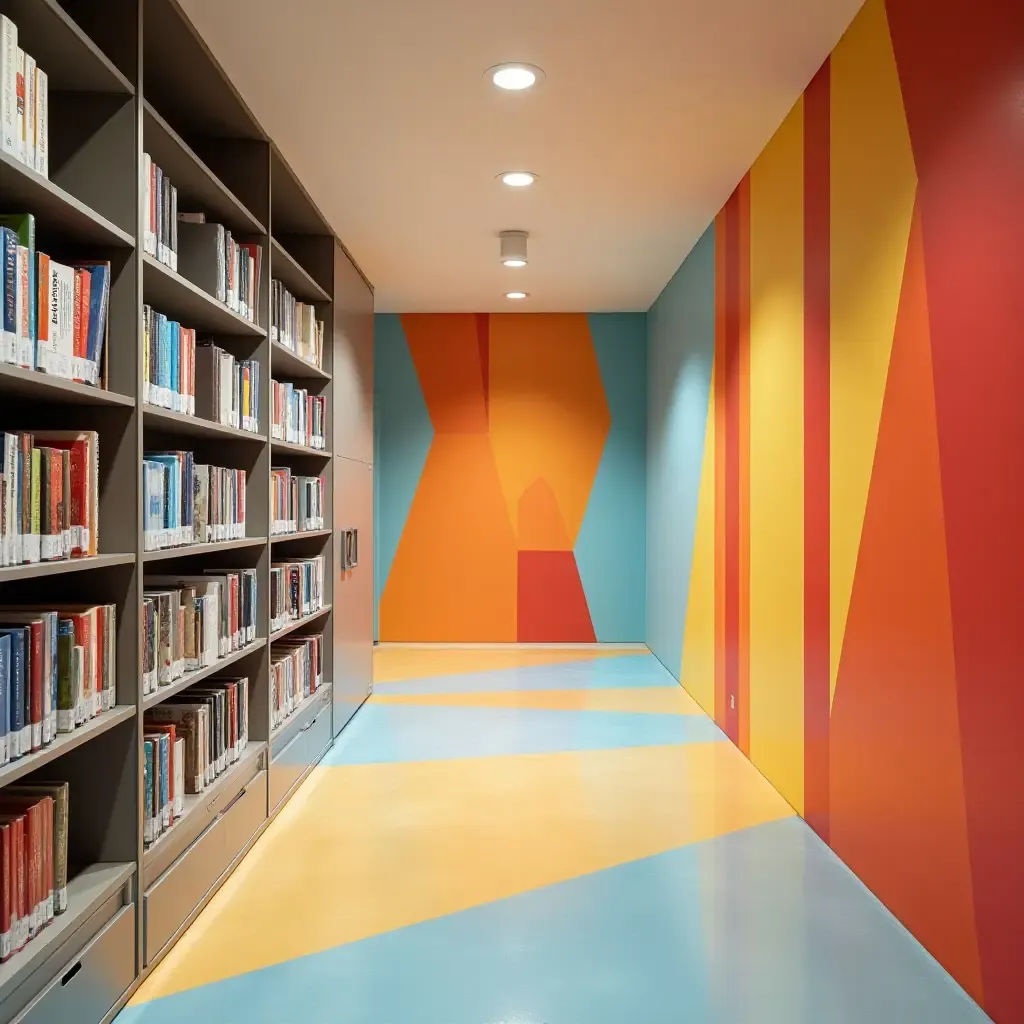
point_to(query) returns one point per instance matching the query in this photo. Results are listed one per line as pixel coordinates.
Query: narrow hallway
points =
(542, 837)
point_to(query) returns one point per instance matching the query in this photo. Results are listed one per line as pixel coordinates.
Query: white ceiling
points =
(650, 113)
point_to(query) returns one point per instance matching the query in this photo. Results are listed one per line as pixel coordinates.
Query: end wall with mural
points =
(510, 475)
(836, 485)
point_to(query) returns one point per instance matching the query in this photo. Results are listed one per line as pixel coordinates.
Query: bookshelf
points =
(127, 78)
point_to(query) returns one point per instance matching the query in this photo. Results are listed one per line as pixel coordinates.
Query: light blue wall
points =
(402, 436)
(680, 354)
(611, 546)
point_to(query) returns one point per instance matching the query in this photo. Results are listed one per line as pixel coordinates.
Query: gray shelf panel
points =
(65, 742)
(194, 426)
(10, 573)
(71, 60)
(202, 549)
(289, 447)
(151, 700)
(177, 297)
(196, 183)
(286, 269)
(56, 211)
(284, 361)
(200, 810)
(34, 384)
(281, 538)
(306, 620)
(299, 720)
(87, 892)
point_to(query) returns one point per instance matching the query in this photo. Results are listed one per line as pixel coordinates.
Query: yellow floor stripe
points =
(364, 849)
(653, 700)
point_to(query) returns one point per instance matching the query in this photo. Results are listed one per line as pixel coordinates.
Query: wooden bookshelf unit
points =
(128, 78)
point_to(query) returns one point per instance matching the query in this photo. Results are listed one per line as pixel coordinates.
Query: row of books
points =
(57, 671)
(53, 316)
(49, 495)
(294, 324)
(296, 590)
(189, 741)
(296, 502)
(24, 103)
(297, 416)
(168, 363)
(190, 622)
(185, 502)
(33, 860)
(228, 388)
(296, 672)
(160, 214)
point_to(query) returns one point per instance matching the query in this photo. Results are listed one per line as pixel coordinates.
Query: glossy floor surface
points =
(542, 837)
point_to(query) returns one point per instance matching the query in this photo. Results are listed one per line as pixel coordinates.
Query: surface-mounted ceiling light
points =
(518, 179)
(516, 295)
(515, 77)
(513, 248)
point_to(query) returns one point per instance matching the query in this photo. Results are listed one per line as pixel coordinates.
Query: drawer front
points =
(94, 981)
(319, 735)
(286, 769)
(180, 889)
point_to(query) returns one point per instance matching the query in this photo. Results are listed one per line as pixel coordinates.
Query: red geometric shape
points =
(552, 604)
(897, 811)
(960, 74)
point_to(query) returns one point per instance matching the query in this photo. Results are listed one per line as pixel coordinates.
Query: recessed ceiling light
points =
(515, 263)
(515, 77)
(518, 179)
(516, 295)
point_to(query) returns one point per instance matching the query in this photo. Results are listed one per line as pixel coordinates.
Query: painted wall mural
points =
(511, 477)
(836, 483)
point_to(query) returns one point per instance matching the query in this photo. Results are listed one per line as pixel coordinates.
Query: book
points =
(296, 673)
(59, 793)
(9, 139)
(227, 390)
(168, 363)
(27, 298)
(295, 325)
(296, 590)
(296, 502)
(297, 416)
(185, 502)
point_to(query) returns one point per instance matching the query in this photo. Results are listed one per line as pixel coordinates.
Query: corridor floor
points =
(542, 837)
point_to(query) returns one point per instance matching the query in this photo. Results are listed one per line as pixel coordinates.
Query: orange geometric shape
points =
(454, 574)
(552, 604)
(446, 351)
(483, 337)
(898, 814)
(548, 413)
(540, 521)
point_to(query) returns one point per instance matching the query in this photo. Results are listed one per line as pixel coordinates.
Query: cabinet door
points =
(353, 587)
(353, 362)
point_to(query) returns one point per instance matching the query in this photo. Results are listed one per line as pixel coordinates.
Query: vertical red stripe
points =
(743, 445)
(732, 469)
(721, 295)
(817, 295)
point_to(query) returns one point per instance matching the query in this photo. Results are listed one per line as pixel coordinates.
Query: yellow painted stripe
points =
(873, 186)
(395, 664)
(652, 700)
(365, 849)
(698, 665)
(777, 460)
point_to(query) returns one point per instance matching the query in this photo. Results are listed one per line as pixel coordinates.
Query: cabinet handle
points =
(354, 557)
(70, 975)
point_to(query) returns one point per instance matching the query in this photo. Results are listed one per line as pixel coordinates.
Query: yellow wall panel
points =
(777, 460)
(697, 672)
(873, 184)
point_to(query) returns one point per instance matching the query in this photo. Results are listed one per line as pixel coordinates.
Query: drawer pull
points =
(70, 975)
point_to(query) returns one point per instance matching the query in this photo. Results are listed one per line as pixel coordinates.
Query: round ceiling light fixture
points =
(513, 248)
(518, 179)
(515, 77)
(517, 295)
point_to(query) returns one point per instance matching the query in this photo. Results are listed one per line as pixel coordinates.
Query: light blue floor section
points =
(763, 926)
(409, 732)
(628, 671)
